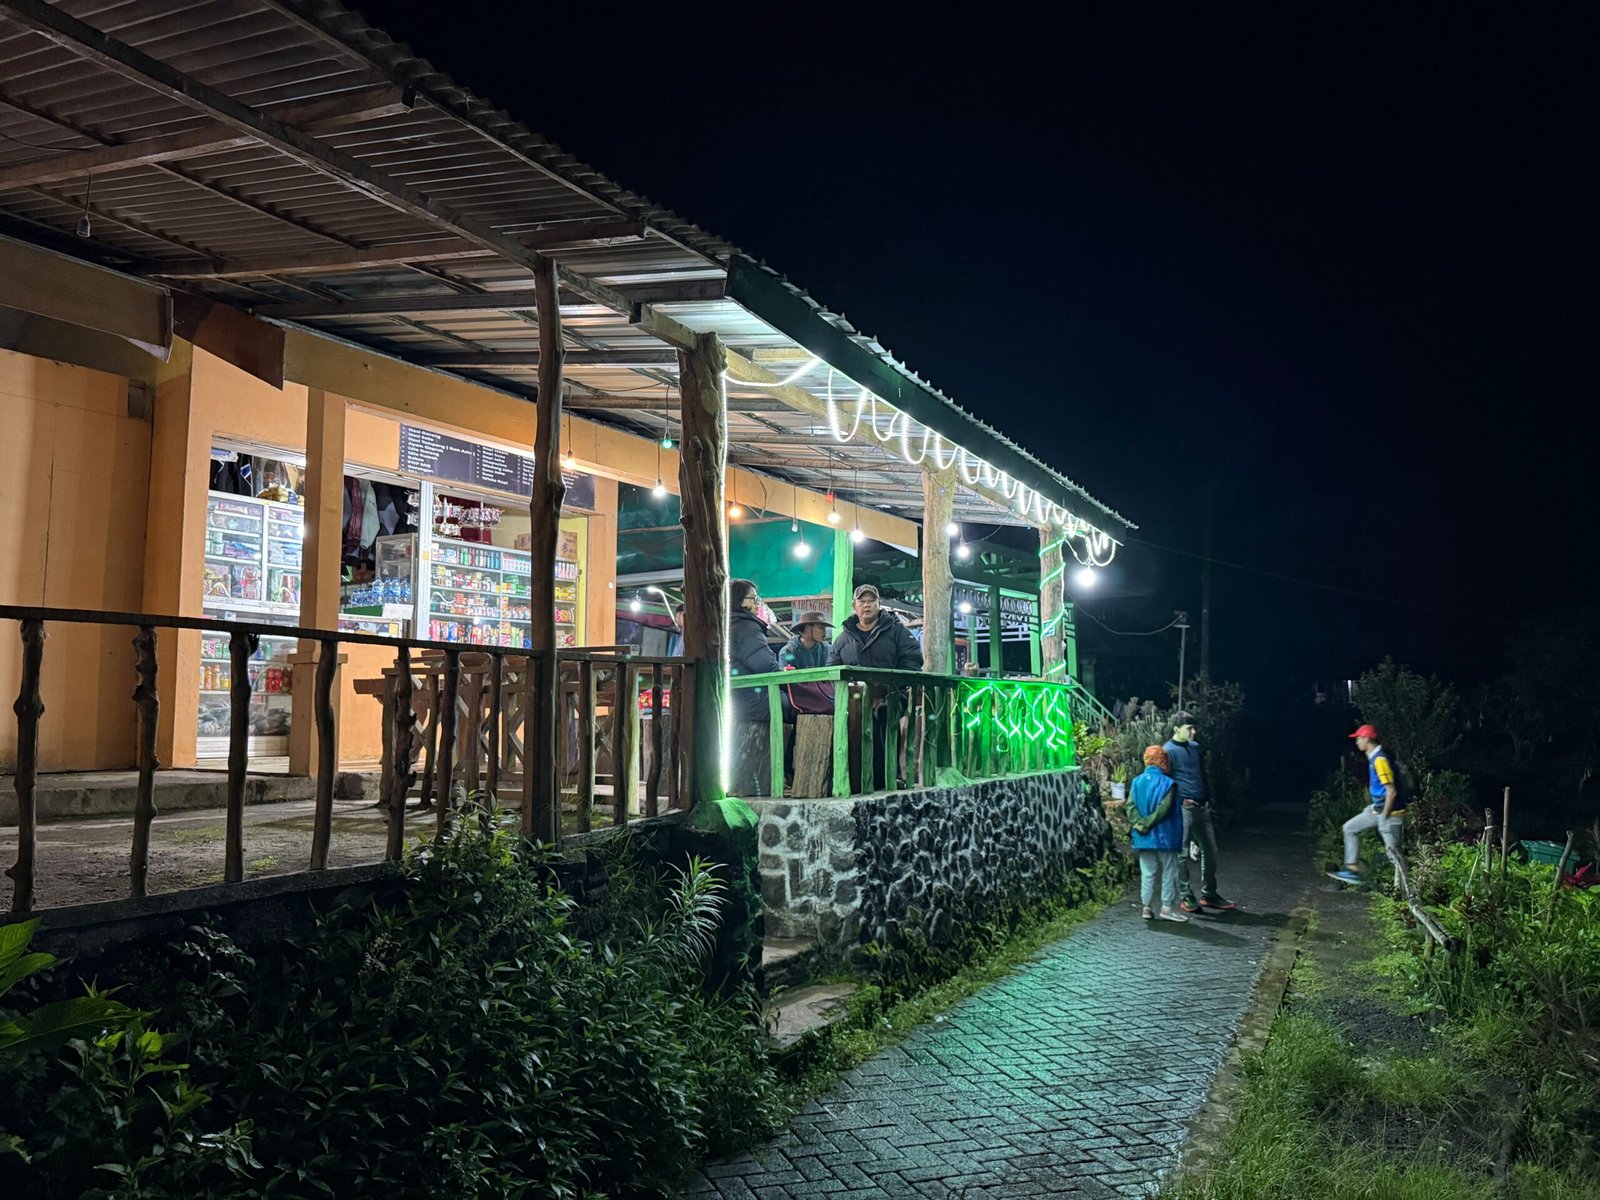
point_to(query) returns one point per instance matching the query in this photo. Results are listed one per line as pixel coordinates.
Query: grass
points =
(1319, 1119)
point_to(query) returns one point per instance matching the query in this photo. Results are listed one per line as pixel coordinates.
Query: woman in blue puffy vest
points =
(1157, 822)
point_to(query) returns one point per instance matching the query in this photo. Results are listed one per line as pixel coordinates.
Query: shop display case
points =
(385, 604)
(478, 594)
(252, 573)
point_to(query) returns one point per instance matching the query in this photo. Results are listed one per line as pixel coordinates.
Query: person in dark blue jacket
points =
(1188, 772)
(1157, 823)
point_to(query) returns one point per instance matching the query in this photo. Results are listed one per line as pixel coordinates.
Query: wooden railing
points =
(459, 711)
(892, 726)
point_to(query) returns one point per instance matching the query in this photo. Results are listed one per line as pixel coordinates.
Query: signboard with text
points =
(445, 459)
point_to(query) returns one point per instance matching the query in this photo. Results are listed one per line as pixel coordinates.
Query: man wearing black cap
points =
(874, 637)
(1189, 771)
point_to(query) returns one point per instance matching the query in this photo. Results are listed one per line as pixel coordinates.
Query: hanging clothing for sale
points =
(354, 507)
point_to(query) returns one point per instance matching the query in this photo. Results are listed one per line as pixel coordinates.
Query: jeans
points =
(1197, 828)
(1389, 829)
(1165, 864)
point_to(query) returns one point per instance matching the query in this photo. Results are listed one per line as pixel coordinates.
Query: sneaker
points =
(1347, 876)
(1217, 902)
(1148, 915)
(1190, 905)
(1168, 915)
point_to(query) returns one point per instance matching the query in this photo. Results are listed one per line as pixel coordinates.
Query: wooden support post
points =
(683, 744)
(1052, 616)
(469, 735)
(702, 464)
(327, 752)
(399, 736)
(29, 708)
(148, 702)
(938, 504)
(652, 783)
(841, 738)
(323, 516)
(586, 723)
(241, 649)
(997, 652)
(449, 698)
(675, 677)
(430, 743)
(1505, 835)
(497, 664)
(891, 738)
(625, 744)
(774, 742)
(540, 818)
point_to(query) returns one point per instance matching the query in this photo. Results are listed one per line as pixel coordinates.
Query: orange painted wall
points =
(74, 475)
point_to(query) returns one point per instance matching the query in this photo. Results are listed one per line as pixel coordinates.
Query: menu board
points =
(440, 456)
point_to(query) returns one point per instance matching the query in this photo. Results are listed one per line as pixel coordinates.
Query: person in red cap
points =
(1386, 812)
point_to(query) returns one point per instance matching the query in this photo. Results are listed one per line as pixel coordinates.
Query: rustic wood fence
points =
(455, 725)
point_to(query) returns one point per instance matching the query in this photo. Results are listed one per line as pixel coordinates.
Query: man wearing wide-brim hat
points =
(809, 645)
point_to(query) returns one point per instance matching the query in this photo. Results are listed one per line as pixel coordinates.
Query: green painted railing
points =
(934, 730)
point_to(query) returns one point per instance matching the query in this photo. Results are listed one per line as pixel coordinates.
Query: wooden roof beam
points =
(107, 52)
(317, 116)
(488, 360)
(368, 306)
(560, 235)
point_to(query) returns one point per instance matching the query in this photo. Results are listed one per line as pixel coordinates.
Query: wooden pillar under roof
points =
(938, 506)
(320, 565)
(1052, 597)
(541, 797)
(701, 464)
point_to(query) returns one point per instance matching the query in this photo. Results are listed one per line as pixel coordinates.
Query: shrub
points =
(456, 1039)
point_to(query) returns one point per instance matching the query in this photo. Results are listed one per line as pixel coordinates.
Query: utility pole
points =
(1205, 582)
(1183, 645)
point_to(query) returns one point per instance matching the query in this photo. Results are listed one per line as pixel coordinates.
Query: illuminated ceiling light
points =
(659, 490)
(568, 463)
(794, 526)
(833, 516)
(856, 535)
(666, 442)
(1085, 577)
(636, 604)
(734, 511)
(801, 550)
(966, 606)
(963, 552)
(952, 530)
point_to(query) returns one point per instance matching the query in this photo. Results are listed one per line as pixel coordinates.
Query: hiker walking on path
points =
(1157, 823)
(1385, 812)
(1188, 771)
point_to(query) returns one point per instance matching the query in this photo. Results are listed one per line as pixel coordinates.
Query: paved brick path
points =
(1036, 1086)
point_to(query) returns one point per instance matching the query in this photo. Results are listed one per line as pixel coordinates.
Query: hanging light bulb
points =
(659, 490)
(856, 535)
(666, 441)
(952, 530)
(963, 552)
(1085, 577)
(734, 511)
(801, 550)
(636, 604)
(833, 508)
(966, 606)
(794, 526)
(568, 462)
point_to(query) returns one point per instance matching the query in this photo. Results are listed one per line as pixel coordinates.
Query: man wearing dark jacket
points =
(874, 637)
(1188, 771)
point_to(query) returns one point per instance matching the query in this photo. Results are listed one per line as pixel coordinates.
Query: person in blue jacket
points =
(1157, 823)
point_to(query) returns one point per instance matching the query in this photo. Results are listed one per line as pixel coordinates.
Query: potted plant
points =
(1119, 782)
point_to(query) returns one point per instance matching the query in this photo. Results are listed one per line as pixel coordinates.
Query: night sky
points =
(1340, 265)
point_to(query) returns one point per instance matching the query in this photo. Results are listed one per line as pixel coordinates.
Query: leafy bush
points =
(1419, 717)
(456, 1038)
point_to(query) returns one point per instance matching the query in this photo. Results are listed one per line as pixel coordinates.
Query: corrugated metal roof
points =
(257, 224)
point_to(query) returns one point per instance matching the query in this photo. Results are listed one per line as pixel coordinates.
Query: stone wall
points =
(874, 867)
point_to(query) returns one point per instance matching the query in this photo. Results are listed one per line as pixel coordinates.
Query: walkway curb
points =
(1210, 1127)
